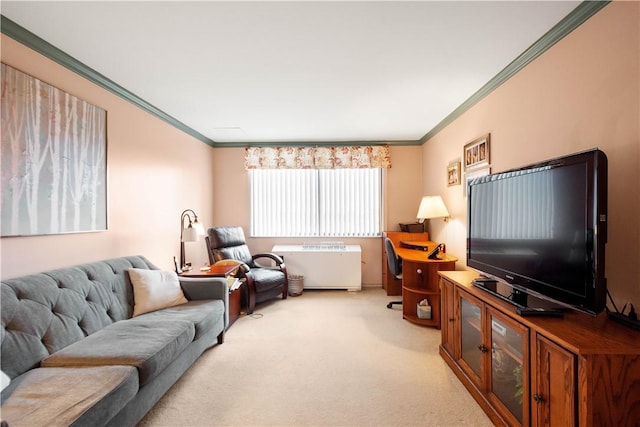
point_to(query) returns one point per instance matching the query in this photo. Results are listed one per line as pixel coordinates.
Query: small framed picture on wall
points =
(477, 153)
(453, 174)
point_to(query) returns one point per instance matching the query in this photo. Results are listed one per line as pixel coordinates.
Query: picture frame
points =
(453, 174)
(65, 189)
(477, 153)
(472, 174)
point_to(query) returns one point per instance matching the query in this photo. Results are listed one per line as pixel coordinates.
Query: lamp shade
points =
(199, 228)
(432, 207)
(189, 234)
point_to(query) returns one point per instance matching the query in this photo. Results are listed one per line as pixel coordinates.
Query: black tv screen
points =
(542, 229)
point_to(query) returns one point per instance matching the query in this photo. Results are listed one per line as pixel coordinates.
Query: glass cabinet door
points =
(448, 304)
(508, 378)
(471, 335)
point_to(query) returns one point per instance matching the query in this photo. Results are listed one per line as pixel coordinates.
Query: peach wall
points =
(403, 186)
(402, 197)
(582, 93)
(155, 172)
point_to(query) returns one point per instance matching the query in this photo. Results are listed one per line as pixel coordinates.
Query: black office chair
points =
(395, 265)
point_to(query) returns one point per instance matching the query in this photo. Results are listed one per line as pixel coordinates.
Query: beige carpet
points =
(325, 358)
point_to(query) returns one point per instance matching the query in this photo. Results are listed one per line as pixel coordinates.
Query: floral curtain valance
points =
(355, 157)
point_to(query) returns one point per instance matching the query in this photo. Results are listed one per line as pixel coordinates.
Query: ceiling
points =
(237, 72)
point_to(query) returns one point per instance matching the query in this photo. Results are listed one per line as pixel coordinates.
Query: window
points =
(315, 202)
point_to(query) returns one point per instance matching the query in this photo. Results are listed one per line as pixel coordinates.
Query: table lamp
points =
(432, 207)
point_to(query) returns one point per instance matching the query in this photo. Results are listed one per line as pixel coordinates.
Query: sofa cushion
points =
(70, 396)
(204, 314)
(149, 345)
(154, 290)
(267, 278)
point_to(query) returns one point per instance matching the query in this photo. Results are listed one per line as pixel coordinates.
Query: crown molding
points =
(33, 42)
(577, 17)
(394, 143)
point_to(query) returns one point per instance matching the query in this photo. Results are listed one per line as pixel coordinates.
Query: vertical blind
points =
(315, 202)
(520, 208)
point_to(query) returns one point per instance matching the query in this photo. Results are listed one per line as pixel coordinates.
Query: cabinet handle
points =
(538, 398)
(482, 348)
(419, 272)
(451, 319)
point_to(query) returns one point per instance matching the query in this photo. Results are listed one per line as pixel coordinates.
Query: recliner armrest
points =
(275, 258)
(244, 268)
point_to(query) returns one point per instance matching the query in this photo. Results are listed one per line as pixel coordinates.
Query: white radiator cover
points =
(329, 267)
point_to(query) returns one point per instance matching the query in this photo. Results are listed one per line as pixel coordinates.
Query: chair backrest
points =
(228, 243)
(394, 262)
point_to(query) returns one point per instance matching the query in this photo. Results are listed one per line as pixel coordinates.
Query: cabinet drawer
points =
(424, 276)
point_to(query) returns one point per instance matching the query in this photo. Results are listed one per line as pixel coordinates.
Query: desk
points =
(420, 280)
(389, 283)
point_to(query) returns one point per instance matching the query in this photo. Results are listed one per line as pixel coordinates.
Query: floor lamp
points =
(189, 233)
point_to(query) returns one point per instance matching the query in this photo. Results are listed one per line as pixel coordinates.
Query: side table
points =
(216, 270)
(235, 302)
(235, 292)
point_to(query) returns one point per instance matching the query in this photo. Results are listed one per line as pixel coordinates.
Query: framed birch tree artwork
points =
(54, 159)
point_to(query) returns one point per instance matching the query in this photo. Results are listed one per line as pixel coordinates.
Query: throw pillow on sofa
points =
(4, 380)
(154, 290)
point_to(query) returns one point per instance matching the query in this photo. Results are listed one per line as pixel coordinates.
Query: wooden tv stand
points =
(575, 370)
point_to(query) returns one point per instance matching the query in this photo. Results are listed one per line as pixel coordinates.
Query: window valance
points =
(353, 157)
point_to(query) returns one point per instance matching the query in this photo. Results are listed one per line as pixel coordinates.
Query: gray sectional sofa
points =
(76, 356)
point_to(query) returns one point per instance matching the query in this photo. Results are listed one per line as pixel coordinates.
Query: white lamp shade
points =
(199, 228)
(189, 234)
(432, 207)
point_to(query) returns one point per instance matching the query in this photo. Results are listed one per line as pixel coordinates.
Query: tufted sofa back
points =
(42, 313)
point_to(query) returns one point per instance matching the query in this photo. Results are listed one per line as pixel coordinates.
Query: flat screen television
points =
(538, 233)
